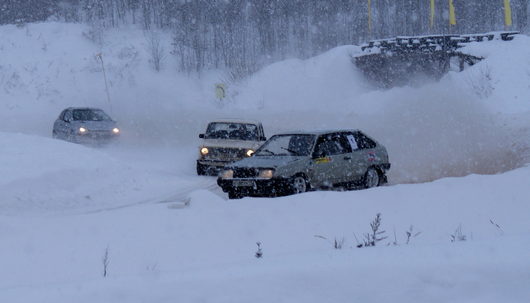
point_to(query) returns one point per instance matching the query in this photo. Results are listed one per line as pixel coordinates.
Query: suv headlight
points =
(266, 173)
(227, 174)
(249, 152)
(82, 130)
(204, 151)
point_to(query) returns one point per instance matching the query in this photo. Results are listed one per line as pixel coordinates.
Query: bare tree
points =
(155, 48)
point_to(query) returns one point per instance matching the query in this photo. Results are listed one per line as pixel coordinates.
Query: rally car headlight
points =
(227, 174)
(116, 130)
(266, 173)
(82, 130)
(249, 153)
(204, 151)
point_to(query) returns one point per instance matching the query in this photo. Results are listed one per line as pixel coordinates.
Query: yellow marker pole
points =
(370, 17)
(220, 91)
(452, 16)
(507, 14)
(431, 24)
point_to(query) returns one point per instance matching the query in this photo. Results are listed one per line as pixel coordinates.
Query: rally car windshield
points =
(287, 145)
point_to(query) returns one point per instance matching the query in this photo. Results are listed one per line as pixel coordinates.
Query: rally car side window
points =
(332, 144)
(363, 142)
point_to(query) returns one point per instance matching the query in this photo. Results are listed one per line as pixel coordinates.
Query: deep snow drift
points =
(172, 235)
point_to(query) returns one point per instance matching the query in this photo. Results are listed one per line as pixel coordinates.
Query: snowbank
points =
(205, 252)
(502, 80)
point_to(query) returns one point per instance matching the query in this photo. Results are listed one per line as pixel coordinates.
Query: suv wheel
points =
(299, 185)
(201, 169)
(371, 178)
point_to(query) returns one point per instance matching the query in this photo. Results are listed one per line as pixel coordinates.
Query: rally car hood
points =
(224, 143)
(267, 161)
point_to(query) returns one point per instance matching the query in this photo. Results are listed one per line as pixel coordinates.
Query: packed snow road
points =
(42, 175)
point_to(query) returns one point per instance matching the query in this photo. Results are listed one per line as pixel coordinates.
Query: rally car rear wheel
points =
(371, 178)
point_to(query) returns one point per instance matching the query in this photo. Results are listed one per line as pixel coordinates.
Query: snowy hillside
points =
(459, 180)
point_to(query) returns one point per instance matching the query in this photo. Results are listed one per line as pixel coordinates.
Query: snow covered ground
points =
(461, 144)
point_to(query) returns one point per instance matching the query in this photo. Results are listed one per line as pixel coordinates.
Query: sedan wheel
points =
(371, 178)
(234, 195)
(299, 185)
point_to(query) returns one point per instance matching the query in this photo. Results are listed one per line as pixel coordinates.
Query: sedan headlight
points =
(249, 153)
(82, 130)
(116, 130)
(204, 151)
(227, 174)
(266, 173)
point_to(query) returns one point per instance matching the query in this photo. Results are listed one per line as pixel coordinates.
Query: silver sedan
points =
(85, 125)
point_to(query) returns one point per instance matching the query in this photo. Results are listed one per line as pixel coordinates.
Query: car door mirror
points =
(201, 136)
(263, 138)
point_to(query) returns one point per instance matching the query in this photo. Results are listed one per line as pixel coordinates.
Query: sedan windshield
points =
(233, 131)
(90, 115)
(287, 145)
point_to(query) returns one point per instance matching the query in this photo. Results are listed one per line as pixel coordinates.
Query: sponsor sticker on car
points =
(323, 160)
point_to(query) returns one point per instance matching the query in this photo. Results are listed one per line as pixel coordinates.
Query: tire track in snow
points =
(179, 199)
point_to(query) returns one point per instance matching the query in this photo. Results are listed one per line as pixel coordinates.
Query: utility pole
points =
(100, 57)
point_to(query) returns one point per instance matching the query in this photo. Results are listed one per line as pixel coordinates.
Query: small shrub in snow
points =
(337, 243)
(152, 267)
(106, 261)
(481, 82)
(411, 234)
(259, 253)
(458, 235)
(395, 242)
(376, 235)
(497, 226)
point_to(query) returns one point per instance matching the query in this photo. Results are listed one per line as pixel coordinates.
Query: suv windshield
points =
(90, 115)
(287, 145)
(233, 131)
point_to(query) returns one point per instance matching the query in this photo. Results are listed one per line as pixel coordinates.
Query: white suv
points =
(227, 141)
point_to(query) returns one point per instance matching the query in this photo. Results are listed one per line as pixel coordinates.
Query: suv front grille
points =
(226, 154)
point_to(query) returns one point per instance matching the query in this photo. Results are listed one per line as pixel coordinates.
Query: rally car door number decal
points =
(352, 141)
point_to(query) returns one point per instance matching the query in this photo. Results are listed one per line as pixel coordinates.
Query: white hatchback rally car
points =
(226, 141)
